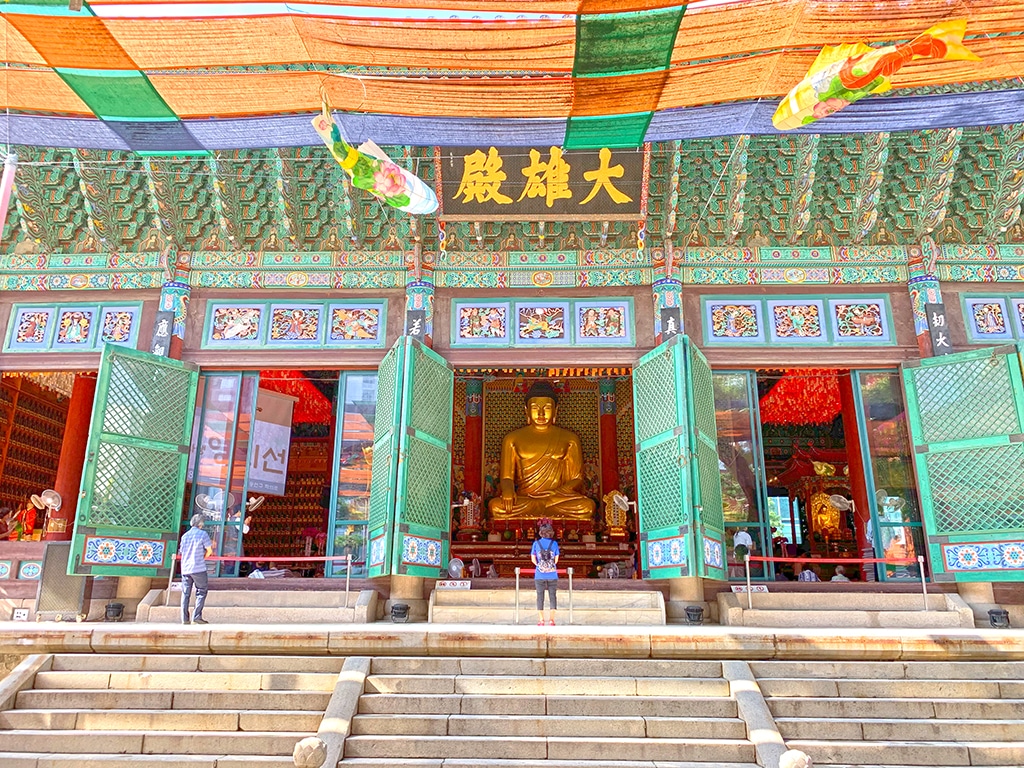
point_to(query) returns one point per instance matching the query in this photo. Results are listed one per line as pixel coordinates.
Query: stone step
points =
(624, 725)
(141, 742)
(901, 730)
(159, 720)
(165, 699)
(358, 762)
(50, 760)
(398, 665)
(918, 670)
(932, 753)
(195, 681)
(553, 748)
(270, 598)
(832, 619)
(596, 616)
(888, 689)
(543, 686)
(581, 599)
(256, 614)
(950, 709)
(86, 662)
(590, 706)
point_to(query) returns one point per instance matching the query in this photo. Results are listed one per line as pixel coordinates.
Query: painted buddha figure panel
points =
(541, 467)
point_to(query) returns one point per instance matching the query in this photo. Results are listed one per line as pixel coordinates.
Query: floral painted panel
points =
(735, 321)
(294, 324)
(541, 323)
(234, 324)
(355, 325)
(482, 323)
(797, 321)
(75, 327)
(118, 325)
(859, 320)
(1018, 313)
(604, 322)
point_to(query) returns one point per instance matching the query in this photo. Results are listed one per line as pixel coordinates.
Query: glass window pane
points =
(736, 448)
(888, 442)
(356, 446)
(212, 459)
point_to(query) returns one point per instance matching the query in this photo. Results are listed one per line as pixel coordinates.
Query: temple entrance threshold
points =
(572, 471)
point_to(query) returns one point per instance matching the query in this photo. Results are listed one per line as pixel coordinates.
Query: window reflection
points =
(354, 467)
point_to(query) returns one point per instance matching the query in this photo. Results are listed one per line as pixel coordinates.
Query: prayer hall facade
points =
(814, 339)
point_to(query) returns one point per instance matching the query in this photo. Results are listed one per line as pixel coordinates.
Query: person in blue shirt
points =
(195, 547)
(544, 555)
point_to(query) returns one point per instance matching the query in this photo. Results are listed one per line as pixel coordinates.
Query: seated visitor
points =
(807, 574)
(840, 574)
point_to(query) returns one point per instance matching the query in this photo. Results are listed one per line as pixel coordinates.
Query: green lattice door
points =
(967, 427)
(383, 489)
(678, 488)
(133, 481)
(410, 490)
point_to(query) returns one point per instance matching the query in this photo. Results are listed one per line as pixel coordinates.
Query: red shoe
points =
(552, 622)
(540, 623)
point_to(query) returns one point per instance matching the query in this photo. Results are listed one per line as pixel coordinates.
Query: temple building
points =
(684, 339)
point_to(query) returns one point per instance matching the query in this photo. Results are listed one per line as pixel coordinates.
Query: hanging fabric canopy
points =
(804, 396)
(191, 77)
(311, 406)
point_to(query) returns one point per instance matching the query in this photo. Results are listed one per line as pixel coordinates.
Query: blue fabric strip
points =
(888, 114)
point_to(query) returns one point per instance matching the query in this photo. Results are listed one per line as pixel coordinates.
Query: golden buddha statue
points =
(541, 471)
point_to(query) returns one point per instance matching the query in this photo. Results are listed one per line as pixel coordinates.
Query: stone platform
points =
(667, 642)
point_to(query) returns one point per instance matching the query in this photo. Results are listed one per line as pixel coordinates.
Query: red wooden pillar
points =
(855, 461)
(609, 442)
(72, 457)
(474, 448)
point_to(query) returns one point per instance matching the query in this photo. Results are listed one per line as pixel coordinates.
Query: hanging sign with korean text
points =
(271, 439)
(540, 183)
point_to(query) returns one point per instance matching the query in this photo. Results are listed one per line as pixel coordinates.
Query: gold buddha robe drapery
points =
(546, 468)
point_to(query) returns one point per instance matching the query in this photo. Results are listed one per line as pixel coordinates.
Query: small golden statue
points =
(541, 470)
(616, 507)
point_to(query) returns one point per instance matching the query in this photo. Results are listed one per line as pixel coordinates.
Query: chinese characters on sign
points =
(515, 182)
(938, 329)
(161, 344)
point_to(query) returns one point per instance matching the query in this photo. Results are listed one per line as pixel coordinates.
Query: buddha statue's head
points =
(541, 405)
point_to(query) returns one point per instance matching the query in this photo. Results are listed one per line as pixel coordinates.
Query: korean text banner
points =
(538, 183)
(271, 440)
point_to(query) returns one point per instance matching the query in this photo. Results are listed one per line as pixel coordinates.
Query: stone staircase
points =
(425, 712)
(827, 608)
(98, 711)
(241, 606)
(589, 606)
(887, 714)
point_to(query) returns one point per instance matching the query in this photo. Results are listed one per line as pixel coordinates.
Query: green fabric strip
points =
(617, 131)
(621, 43)
(118, 95)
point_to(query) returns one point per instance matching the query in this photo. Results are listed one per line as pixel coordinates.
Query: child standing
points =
(544, 555)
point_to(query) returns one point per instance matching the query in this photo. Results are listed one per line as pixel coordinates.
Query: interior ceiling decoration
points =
(198, 76)
(830, 191)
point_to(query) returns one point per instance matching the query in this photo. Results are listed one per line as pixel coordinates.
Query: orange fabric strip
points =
(39, 91)
(72, 41)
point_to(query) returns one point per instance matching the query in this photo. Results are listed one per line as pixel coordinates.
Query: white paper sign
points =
(271, 440)
(453, 584)
(740, 589)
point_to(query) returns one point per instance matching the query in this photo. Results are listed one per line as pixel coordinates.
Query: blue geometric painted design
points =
(5, 569)
(108, 550)
(417, 550)
(712, 553)
(667, 553)
(29, 570)
(984, 556)
(377, 550)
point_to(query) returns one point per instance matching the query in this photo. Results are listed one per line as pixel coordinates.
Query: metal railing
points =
(530, 572)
